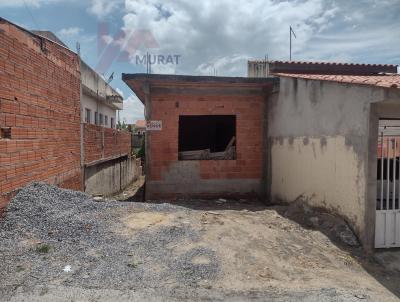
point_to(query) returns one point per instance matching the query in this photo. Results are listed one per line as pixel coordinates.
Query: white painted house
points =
(99, 101)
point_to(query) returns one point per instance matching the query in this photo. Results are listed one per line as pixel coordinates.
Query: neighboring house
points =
(140, 127)
(304, 131)
(100, 102)
(326, 127)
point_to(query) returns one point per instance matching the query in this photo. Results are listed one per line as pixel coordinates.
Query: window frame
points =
(219, 144)
(88, 114)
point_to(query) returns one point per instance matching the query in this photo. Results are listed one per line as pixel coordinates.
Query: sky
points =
(212, 37)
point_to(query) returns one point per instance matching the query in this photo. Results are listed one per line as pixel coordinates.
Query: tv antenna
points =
(110, 78)
(291, 31)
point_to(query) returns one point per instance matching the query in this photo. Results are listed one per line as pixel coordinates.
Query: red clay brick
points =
(40, 138)
(249, 115)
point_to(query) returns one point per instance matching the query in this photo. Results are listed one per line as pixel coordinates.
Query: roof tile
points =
(384, 80)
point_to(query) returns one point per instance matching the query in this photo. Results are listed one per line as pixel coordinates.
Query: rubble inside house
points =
(228, 154)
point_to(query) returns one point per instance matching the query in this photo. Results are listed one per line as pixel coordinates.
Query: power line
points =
(30, 13)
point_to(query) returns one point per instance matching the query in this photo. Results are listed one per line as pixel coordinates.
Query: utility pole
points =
(290, 39)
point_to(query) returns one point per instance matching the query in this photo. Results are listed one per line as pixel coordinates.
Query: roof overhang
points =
(331, 68)
(113, 101)
(141, 82)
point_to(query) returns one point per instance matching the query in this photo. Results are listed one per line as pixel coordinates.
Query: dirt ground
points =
(219, 250)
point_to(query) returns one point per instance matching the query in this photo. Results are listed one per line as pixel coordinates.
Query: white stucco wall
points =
(98, 96)
(318, 143)
(91, 103)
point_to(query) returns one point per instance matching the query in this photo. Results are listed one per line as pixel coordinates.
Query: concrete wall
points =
(320, 148)
(112, 176)
(258, 69)
(168, 177)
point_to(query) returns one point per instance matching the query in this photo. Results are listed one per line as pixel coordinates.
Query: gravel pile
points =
(47, 213)
(62, 237)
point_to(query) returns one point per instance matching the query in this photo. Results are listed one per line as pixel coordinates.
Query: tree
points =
(122, 126)
(142, 151)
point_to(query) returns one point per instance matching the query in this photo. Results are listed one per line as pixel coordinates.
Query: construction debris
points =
(228, 154)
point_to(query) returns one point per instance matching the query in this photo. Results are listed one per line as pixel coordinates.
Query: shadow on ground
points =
(339, 233)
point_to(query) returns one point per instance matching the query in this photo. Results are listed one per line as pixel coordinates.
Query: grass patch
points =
(134, 264)
(19, 268)
(43, 249)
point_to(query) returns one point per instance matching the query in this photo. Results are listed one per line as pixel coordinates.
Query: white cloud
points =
(229, 64)
(217, 34)
(222, 34)
(107, 39)
(133, 110)
(70, 32)
(102, 8)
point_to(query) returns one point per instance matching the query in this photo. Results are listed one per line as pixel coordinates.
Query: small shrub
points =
(43, 249)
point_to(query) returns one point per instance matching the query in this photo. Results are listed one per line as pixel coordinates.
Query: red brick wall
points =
(102, 143)
(163, 146)
(40, 102)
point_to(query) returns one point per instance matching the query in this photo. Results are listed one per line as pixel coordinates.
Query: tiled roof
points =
(384, 80)
(140, 124)
(305, 63)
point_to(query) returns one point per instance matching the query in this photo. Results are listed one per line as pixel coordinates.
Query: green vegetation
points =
(122, 126)
(142, 151)
(43, 249)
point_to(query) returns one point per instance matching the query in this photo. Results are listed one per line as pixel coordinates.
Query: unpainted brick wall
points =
(103, 143)
(249, 111)
(40, 104)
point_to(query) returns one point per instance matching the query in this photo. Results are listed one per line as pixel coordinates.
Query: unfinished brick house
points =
(303, 131)
(206, 134)
(42, 137)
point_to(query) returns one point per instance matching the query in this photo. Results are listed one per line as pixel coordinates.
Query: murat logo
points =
(124, 46)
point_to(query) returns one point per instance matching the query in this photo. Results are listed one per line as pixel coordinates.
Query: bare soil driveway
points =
(61, 245)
